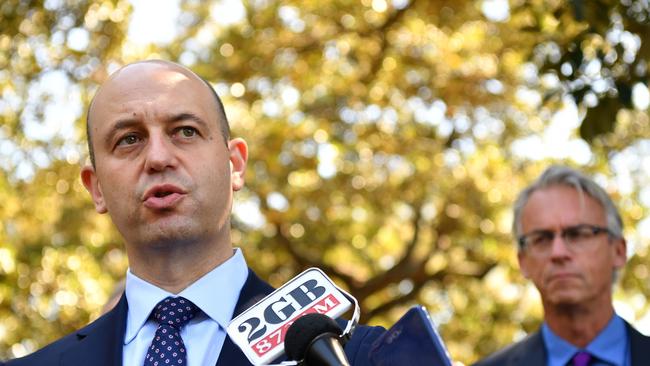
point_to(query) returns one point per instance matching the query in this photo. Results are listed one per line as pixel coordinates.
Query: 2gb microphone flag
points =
(259, 331)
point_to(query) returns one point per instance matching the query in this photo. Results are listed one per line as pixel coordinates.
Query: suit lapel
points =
(253, 291)
(100, 343)
(639, 347)
(231, 354)
(531, 352)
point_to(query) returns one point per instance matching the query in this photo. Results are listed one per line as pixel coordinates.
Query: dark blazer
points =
(531, 351)
(100, 342)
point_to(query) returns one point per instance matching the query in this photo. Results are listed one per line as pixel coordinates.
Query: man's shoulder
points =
(93, 340)
(47, 355)
(637, 336)
(358, 347)
(529, 348)
(639, 345)
(365, 334)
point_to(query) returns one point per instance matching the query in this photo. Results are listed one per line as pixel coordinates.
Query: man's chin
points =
(565, 297)
(171, 235)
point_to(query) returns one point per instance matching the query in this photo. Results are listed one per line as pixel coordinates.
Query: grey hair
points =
(565, 176)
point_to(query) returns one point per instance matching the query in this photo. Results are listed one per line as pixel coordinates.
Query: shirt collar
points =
(558, 350)
(610, 344)
(226, 280)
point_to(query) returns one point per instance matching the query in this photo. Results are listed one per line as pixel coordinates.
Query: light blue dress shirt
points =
(216, 294)
(611, 346)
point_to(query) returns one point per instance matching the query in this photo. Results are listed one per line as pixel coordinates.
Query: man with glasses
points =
(571, 246)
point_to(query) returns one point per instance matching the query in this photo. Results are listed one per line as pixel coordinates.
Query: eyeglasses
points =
(576, 238)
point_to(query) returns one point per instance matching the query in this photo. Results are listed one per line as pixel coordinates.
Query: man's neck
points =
(173, 270)
(578, 324)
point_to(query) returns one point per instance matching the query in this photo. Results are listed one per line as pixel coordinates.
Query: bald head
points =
(145, 72)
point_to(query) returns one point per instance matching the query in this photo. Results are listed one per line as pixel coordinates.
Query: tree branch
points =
(304, 261)
(404, 267)
(418, 284)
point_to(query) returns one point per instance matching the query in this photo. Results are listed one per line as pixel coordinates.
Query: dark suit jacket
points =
(532, 352)
(100, 342)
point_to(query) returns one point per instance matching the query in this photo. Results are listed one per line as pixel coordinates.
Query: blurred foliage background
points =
(388, 140)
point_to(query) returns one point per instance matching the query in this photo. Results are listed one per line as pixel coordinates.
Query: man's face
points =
(566, 275)
(162, 169)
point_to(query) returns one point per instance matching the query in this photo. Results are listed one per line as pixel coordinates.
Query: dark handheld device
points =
(413, 340)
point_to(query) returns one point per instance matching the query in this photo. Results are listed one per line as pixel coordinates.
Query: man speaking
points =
(165, 169)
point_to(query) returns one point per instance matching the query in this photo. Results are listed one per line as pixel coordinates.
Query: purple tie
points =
(581, 358)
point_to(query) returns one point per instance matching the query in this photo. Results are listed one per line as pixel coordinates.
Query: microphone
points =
(260, 330)
(315, 339)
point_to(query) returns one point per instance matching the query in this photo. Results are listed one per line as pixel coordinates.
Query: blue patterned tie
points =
(581, 358)
(167, 347)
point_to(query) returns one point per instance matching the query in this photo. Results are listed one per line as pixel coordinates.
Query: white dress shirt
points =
(216, 294)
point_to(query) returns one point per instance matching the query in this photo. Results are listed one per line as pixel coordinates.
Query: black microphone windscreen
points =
(304, 330)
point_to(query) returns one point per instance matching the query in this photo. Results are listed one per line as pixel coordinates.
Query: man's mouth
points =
(563, 276)
(164, 196)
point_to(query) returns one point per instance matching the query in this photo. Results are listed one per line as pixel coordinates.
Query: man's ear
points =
(521, 258)
(89, 179)
(238, 158)
(619, 253)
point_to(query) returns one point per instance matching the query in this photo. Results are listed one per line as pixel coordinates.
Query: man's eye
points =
(536, 240)
(128, 140)
(541, 238)
(188, 131)
(577, 233)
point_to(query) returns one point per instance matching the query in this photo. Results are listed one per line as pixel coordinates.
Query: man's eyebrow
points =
(537, 232)
(184, 116)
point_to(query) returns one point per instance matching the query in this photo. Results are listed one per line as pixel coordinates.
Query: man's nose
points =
(160, 153)
(559, 246)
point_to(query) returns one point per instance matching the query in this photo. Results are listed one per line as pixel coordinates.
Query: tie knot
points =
(581, 358)
(174, 311)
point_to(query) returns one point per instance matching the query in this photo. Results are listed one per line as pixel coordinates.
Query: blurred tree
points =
(58, 260)
(599, 58)
(383, 140)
